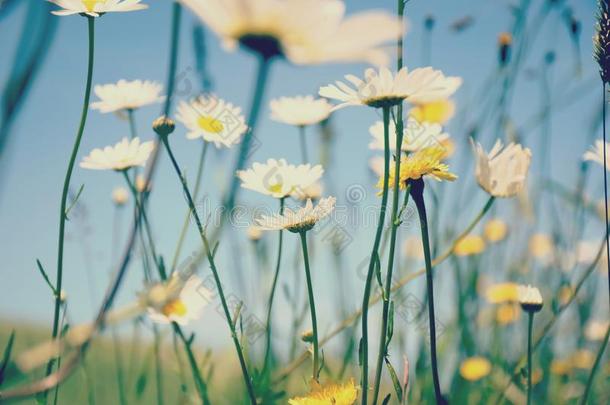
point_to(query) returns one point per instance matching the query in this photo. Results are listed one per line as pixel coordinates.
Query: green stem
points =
(605, 179)
(202, 389)
(119, 368)
(312, 306)
(133, 132)
(369, 276)
(173, 60)
(417, 193)
(303, 144)
(66, 187)
(598, 360)
(211, 260)
(530, 327)
(272, 293)
(158, 365)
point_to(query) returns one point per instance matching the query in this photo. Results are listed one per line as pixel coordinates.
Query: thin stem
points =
(66, 187)
(312, 307)
(202, 389)
(605, 178)
(158, 365)
(418, 197)
(210, 257)
(133, 132)
(598, 360)
(173, 60)
(119, 368)
(272, 293)
(369, 276)
(303, 144)
(530, 327)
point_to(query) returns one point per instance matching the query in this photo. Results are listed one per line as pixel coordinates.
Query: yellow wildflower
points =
(502, 293)
(438, 112)
(495, 230)
(469, 245)
(335, 394)
(475, 368)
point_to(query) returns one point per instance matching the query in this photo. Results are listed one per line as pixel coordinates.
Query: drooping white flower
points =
(303, 31)
(212, 119)
(596, 153)
(529, 298)
(415, 136)
(95, 8)
(126, 95)
(300, 220)
(502, 172)
(279, 179)
(180, 305)
(384, 89)
(122, 156)
(300, 110)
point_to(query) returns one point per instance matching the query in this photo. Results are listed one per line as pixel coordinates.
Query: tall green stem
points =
(530, 327)
(272, 293)
(173, 60)
(66, 187)
(374, 254)
(417, 193)
(303, 144)
(598, 360)
(158, 365)
(202, 389)
(312, 307)
(210, 256)
(605, 178)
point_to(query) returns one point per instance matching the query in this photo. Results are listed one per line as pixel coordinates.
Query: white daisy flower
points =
(126, 95)
(301, 220)
(502, 172)
(303, 31)
(95, 8)
(279, 179)
(212, 119)
(529, 298)
(384, 89)
(416, 135)
(180, 305)
(122, 156)
(300, 110)
(596, 153)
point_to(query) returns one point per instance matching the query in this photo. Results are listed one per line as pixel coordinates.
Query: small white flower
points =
(596, 153)
(416, 135)
(95, 8)
(126, 95)
(279, 179)
(300, 110)
(298, 221)
(212, 119)
(502, 173)
(529, 298)
(120, 196)
(180, 304)
(384, 89)
(303, 31)
(121, 156)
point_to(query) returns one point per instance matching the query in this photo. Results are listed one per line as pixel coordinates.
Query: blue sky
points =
(135, 46)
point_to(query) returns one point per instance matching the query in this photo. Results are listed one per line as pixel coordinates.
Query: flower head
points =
(436, 112)
(469, 245)
(475, 368)
(122, 156)
(495, 230)
(212, 119)
(301, 220)
(502, 172)
(300, 110)
(126, 95)
(596, 153)
(416, 136)
(601, 40)
(530, 298)
(335, 394)
(540, 245)
(502, 293)
(120, 196)
(507, 314)
(279, 179)
(303, 31)
(384, 89)
(95, 8)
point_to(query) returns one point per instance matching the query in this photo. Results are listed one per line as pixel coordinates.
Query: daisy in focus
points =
(530, 298)
(384, 89)
(300, 110)
(596, 153)
(503, 171)
(122, 156)
(335, 394)
(212, 119)
(180, 305)
(416, 136)
(127, 95)
(95, 8)
(279, 179)
(302, 31)
(301, 220)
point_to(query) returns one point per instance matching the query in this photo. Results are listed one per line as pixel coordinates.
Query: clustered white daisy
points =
(300, 110)
(303, 31)
(416, 135)
(122, 156)
(127, 95)
(300, 220)
(95, 8)
(212, 119)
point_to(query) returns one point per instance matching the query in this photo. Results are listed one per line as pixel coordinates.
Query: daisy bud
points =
(530, 298)
(505, 41)
(120, 196)
(164, 126)
(307, 336)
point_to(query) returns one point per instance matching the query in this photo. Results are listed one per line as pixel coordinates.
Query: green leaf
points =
(386, 400)
(7, 356)
(74, 201)
(395, 380)
(46, 277)
(377, 267)
(390, 326)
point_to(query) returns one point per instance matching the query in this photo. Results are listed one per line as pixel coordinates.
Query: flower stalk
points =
(312, 307)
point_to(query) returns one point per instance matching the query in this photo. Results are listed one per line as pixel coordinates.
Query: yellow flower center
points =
(175, 307)
(210, 124)
(90, 4)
